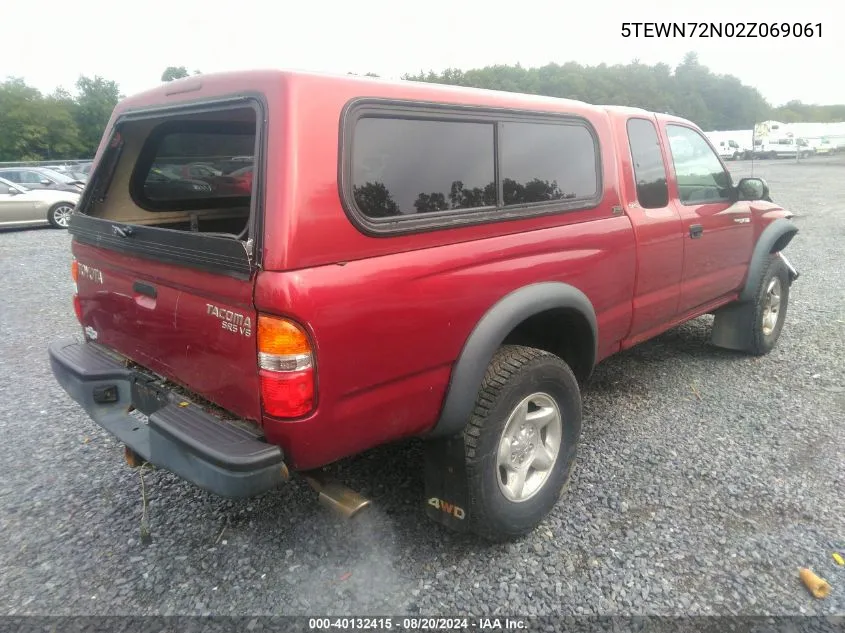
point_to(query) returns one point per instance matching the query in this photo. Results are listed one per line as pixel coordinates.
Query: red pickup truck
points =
(411, 260)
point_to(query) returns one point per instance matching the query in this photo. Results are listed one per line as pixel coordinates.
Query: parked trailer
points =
(774, 139)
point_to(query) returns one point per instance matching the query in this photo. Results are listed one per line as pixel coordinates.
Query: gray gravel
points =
(705, 480)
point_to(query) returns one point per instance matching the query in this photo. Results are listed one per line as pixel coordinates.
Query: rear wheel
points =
(59, 215)
(520, 441)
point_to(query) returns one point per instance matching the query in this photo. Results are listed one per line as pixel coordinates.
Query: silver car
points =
(20, 206)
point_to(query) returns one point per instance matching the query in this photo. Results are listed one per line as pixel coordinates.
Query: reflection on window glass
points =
(545, 161)
(405, 166)
(701, 177)
(31, 177)
(199, 165)
(649, 170)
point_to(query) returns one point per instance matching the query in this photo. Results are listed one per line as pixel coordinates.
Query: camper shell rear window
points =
(178, 180)
(195, 165)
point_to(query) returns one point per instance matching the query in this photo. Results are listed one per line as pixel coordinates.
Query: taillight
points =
(286, 370)
(77, 304)
(77, 308)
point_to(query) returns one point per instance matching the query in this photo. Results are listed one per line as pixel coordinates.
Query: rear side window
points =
(542, 162)
(191, 167)
(649, 168)
(408, 166)
(430, 167)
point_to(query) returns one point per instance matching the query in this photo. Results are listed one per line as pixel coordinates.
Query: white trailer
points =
(731, 145)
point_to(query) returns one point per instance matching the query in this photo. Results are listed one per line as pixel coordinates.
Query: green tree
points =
(94, 105)
(798, 111)
(21, 130)
(62, 138)
(175, 72)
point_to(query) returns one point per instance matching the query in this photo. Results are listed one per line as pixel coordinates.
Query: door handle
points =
(695, 231)
(144, 289)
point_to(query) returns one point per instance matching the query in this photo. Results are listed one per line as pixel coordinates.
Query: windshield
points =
(57, 176)
(8, 185)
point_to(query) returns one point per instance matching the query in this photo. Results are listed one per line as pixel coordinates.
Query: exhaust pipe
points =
(132, 458)
(335, 496)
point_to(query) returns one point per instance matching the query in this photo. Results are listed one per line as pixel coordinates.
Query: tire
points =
(520, 376)
(59, 215)
(766, 327)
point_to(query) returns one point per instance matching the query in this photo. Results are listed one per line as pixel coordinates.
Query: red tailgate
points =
(195, 328)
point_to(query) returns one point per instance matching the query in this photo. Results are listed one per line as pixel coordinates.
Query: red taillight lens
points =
(77, 307)
(285, 364)
(74, 274)
(288, 394)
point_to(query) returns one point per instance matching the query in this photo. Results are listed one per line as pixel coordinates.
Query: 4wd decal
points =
(230, 320)
(447, 507)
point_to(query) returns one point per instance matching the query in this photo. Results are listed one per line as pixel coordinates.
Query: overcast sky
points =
(51, 43)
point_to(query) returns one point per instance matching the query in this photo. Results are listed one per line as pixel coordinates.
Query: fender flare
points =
(488, 335)
(774, 238)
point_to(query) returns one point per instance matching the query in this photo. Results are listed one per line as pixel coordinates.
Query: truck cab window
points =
(698, 170)
(649, 169)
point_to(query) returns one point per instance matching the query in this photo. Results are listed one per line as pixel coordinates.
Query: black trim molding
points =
(197, 250)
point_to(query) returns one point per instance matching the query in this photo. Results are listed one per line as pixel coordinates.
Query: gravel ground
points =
(705, 480)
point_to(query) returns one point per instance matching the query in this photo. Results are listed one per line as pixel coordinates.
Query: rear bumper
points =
(214, 454)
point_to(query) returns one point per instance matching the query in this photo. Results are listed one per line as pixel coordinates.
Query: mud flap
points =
(446, 492)
(733, 326)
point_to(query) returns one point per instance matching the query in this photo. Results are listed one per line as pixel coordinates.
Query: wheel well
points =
(782, 242)
(561, 331)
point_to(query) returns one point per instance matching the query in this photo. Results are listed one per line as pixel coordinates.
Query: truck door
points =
(718, 232)
(658, 229)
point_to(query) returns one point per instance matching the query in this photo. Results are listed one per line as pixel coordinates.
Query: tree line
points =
(35, 126)
(691, 90)
(58, 126)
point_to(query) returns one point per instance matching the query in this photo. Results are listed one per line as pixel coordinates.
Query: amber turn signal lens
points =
(74, 271)
(281, 337)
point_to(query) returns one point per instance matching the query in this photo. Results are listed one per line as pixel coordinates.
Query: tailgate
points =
(191, 327)
(164, 247)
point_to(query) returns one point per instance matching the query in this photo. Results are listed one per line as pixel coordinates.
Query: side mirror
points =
(46, 182)
(12, 191)
(752, 189)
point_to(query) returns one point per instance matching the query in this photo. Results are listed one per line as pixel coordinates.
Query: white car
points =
(20, 206)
